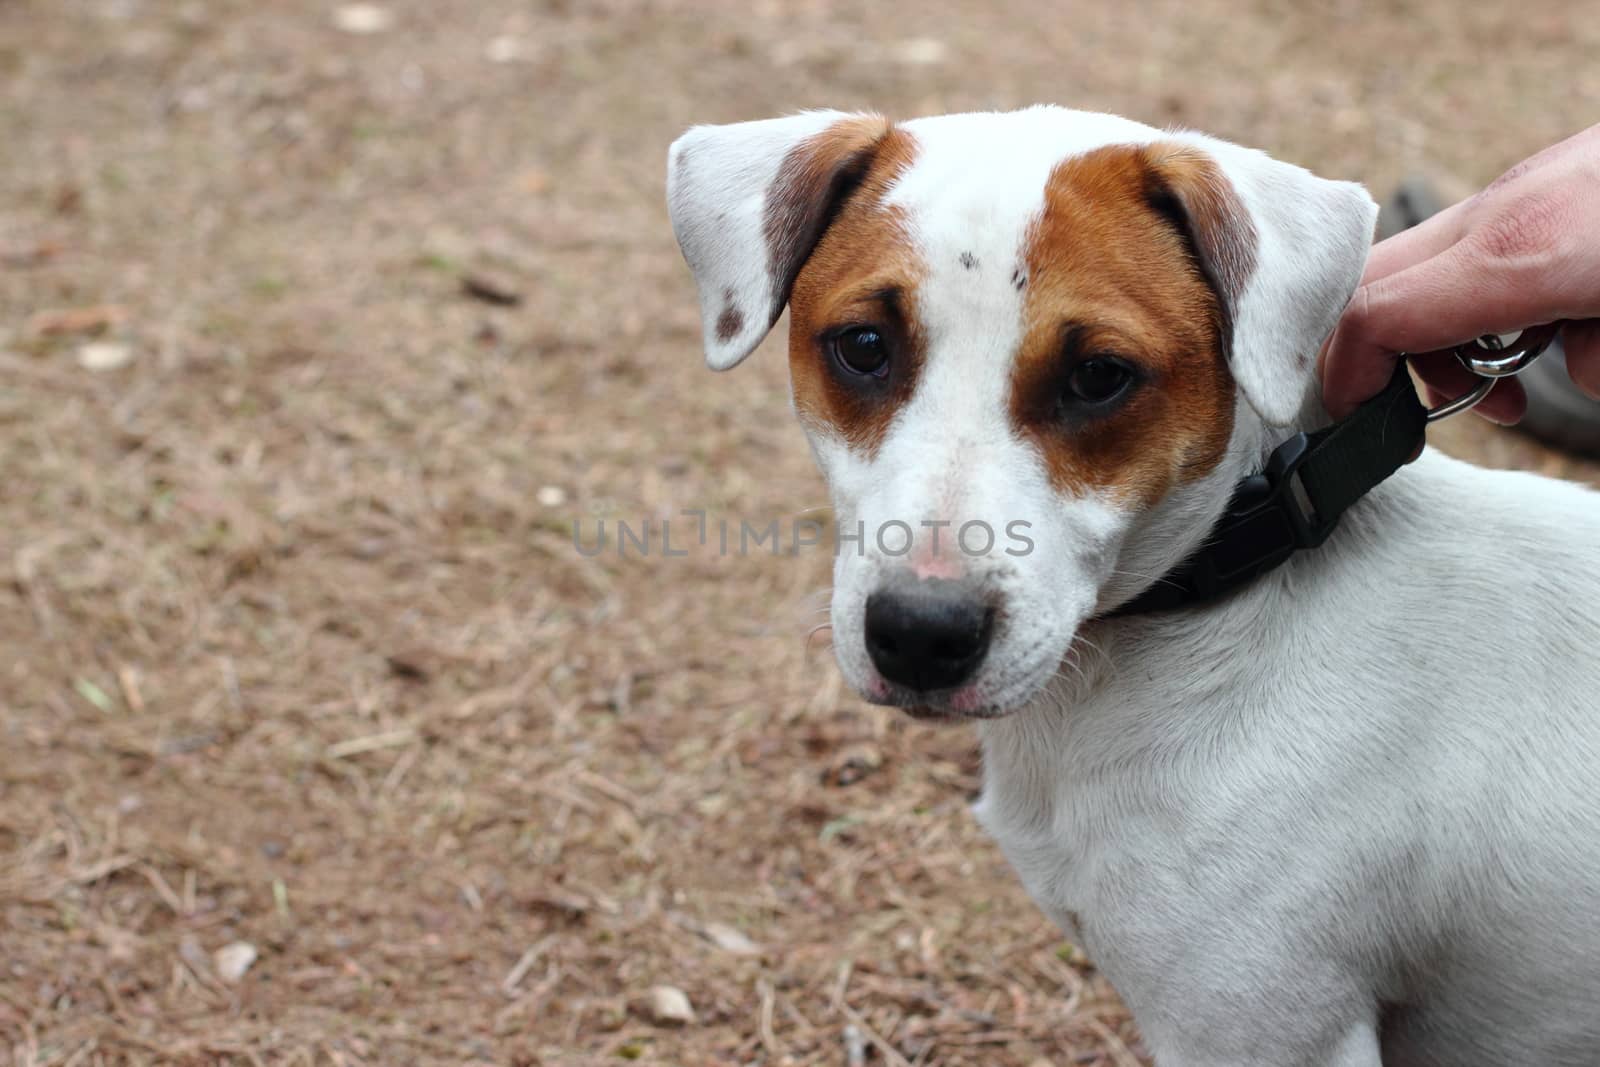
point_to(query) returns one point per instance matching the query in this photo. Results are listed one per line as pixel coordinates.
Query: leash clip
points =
(1492, 359)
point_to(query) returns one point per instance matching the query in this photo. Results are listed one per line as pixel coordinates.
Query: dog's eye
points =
(1098, 381)
(862, 350)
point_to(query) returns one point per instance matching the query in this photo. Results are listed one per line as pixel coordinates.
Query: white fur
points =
(1372, 778)
(1352, 808)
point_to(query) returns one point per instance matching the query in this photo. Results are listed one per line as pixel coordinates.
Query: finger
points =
(1353, 369)
(1444, 379)
(1452, 298)
(1461, 294)
(1421, 242)
(1581, 342)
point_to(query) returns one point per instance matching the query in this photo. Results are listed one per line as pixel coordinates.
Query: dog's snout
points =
(930, 635)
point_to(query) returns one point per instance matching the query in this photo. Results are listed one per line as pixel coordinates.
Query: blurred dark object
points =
(1558, 413)
(491, 289)
(1413, 200)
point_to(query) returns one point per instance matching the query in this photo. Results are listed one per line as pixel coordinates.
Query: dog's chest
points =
(1108, 839)
(1053, 870)
(1054, 828)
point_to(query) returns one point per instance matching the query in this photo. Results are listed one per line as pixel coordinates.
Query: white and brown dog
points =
(1313, 823)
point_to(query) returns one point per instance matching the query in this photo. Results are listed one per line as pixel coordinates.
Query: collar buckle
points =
(1268, 519)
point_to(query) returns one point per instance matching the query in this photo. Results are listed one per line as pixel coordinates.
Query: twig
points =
(1121, 1055)
(371, 743)
(82, 1053)
(607, 787)
(163, 889)
(890, 1053)
(855, 1046)
(525, 963)
(128, 679)
(769, 1038)
(840, 985)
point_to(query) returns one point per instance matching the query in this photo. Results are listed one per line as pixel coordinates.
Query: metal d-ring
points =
(1464, 402)
(1492, 359)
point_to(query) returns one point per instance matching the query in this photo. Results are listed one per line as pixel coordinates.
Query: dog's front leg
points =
(1241, 1041)
(1358, 1049)
(1200, 1047)
(1221, 999)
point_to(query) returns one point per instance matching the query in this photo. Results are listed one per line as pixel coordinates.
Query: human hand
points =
(1524, 251)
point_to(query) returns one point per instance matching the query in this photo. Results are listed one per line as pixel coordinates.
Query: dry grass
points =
(296, 649)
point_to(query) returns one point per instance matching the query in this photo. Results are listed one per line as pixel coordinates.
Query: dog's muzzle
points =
(928, 635)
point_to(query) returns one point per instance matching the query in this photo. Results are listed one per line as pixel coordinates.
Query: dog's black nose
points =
(931, 635)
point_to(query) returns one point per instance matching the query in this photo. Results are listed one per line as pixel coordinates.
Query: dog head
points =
(1032, 351)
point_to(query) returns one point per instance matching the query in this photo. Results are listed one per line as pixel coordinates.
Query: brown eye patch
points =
(1091, 379)
(863, 274)
(1111, 274)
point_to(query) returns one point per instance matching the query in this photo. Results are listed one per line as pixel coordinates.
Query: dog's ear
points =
(748, 203)
(1283, 248)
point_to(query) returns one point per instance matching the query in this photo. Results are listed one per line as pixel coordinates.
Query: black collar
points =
(1296, 501)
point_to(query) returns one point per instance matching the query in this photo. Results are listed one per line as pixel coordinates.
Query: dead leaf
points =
(505, 49)
(29, 255)
(853, 763)
(62, 322)
(413, 665)
(104, 355)
(363, 19)
(491, 289)
(232, 961)
(730, 939)
(920, 51)
(567, 905)
(668, 1005)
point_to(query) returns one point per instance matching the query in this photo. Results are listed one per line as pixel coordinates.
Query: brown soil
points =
(295, 649)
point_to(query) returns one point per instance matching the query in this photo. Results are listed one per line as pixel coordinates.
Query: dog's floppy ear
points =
(1283, 248)
(748, 202)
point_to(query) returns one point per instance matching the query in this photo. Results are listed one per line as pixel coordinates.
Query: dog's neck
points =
(1169, 538)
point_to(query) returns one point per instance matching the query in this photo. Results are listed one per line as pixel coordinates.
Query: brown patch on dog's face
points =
(863, 273)
(812, 180)
(1126, 263)
(1192, 192)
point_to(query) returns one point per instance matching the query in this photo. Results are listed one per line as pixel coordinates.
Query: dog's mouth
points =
(930, 714)
(1010, 674)
(987, 697)
(946, 706)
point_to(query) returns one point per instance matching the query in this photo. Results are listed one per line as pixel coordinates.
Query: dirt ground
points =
(296, 654)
